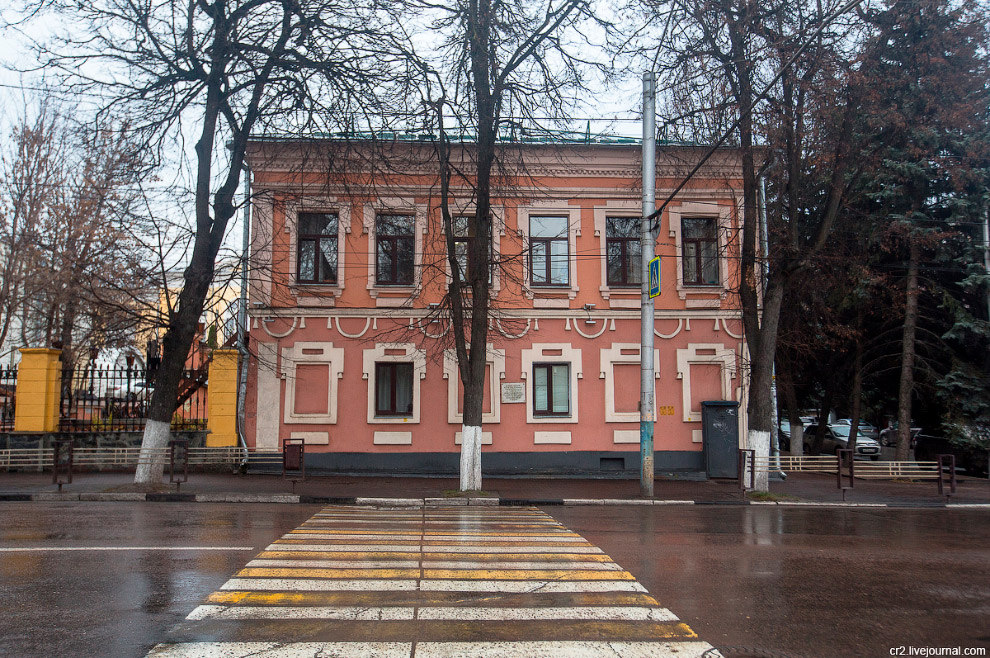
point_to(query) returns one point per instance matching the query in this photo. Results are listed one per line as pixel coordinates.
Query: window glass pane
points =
(709, 263)
(306, 261)
(406, 248)
(317, 223)
(622, 227)
(690, 261)
(548, 227)
(461, 227)
(561, 384)
(539, 262)
(634, 262)
(384, 267)
(540, 388)
(698, 228)
(403, 388)
(395, 225)
(558, 261)
(328, 259)
(461, 256)
(613, 261)
(383, 384)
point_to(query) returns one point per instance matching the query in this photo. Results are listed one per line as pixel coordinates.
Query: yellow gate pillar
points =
(221, 399)
(37, 390)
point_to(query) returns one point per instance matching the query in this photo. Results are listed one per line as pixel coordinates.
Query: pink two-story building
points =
(351, 354)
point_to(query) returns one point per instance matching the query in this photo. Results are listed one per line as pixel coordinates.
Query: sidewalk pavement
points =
(797, 489)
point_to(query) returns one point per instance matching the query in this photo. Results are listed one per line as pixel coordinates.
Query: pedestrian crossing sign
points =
(655, 277)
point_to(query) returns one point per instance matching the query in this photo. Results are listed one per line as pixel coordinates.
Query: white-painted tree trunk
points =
(151, 463)
(760, 442)
(470, 458)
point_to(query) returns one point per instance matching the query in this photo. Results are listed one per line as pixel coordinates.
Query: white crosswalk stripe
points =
(434, 583)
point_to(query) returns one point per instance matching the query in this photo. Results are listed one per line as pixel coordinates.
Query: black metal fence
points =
(8, 397)
(96, 399)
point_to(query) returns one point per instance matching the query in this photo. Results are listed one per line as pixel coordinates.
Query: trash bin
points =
(720, 438)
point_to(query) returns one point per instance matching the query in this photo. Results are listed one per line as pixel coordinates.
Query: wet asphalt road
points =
(93, 603)
(777, 581)
(767, 581)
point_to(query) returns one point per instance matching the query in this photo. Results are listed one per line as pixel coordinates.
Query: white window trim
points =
(615, 209)
(535, 354)
(724, 357)
(611, 356)
(723, 227)
(550, 209)
(496, 372)
(396, 206)
(304, 291)
(410, 355)
(292, 357)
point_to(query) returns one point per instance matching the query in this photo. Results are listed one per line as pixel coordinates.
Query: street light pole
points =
(646, 401)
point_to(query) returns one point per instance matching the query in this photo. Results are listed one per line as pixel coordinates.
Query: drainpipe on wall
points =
(242, 319)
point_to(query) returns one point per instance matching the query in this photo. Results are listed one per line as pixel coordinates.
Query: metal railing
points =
(129, 458)
(8, 398)
(943, 470)
(95, 399)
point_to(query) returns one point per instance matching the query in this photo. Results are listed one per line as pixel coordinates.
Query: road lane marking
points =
(591, 613)
(508, 565)
(328, 564)
(357, 548)
(282, 584)
(282, 650)
(351, 613)
(288, 552)
(530, 586)
(425, 599)
(126, 548)
(562, 649)
(328, 573)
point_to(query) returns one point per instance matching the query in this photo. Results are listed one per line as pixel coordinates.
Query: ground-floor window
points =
(551, 389)
(394, 389)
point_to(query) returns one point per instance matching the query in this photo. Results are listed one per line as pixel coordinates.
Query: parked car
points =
(972, 460)
(836, 438)
(863, 429)
(888, 436)
(138, 390)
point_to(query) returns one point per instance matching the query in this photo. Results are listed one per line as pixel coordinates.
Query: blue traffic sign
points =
(655, 277)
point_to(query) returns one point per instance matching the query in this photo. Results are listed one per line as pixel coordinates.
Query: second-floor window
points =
(699, 245)
(396, 243)
(393, 389)
(548, 251)
(463, 236)
(623, 251)
(316, 260)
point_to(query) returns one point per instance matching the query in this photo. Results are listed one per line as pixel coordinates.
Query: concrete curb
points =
(175, 497)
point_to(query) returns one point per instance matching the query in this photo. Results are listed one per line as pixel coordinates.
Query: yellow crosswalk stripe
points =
(434, 583)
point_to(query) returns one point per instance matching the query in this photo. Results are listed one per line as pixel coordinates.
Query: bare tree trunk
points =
(907, 353)
(793, 412)
(857, 391)
(823, 414)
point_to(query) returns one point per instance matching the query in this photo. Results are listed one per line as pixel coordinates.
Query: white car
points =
(837, 438)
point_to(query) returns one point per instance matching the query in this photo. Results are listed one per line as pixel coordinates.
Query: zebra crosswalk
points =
(432, 583)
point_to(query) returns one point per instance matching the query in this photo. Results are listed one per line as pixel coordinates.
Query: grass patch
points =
(769, 497)
(472, 493)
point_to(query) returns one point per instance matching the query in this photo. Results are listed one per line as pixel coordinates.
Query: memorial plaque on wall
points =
(513, 392)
